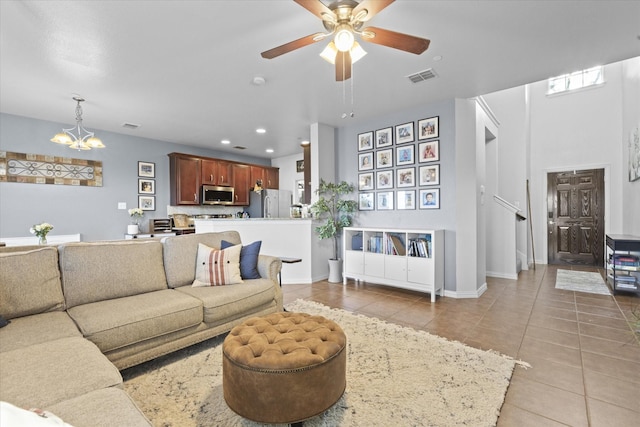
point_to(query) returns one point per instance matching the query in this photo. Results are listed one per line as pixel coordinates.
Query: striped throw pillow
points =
(216, 267)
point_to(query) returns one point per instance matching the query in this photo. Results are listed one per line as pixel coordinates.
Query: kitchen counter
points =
(281, 237)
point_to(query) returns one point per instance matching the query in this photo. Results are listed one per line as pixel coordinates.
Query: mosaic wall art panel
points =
(41, 169)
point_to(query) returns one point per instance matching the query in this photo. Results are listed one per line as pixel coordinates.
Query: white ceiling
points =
(183, 70)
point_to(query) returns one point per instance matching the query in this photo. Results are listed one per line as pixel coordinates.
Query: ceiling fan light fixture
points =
(330, 52)
(344, 38)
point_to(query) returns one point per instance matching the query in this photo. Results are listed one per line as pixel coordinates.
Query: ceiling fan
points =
(345, 18)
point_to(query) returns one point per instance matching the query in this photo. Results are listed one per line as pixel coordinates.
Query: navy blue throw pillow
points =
(3, 322)
(248, 259)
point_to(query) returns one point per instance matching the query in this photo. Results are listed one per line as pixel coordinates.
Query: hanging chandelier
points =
(82, 139)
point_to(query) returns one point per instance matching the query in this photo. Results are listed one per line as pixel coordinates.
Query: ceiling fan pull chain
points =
(352, 79)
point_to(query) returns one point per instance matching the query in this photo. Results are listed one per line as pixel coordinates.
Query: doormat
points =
(396, 376)
(581, 281)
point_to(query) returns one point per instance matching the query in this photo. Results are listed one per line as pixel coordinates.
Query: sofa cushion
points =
(107, 407)
(217, 267)
(180, 254)
(101, 271)
(228, 302)
(30, 283)
(53, 371)
(124, 321)
(248, 259)
(37, 328)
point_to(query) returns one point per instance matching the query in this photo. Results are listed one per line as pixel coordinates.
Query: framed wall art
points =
(384, 179)
(428, 128)
(299, 166)
(385, 201)
(365, 201)
(147, 203)
(146, 186)
(404, 155)
(147, 169)
(365, 141)
(405, 177)
(384, 158)
(365, 161)
(384, 137)
(429, 175)
(404, 133)
(406, 199)
(365, 181)
(430, 198)
(428, 151)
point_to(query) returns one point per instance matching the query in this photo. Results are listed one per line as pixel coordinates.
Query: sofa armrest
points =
(269, 267)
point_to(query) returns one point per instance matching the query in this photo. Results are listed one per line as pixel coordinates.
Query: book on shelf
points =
(375, 244)
(420, 247)
(396, 245)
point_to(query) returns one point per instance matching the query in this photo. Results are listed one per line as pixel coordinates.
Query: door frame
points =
(544, 256)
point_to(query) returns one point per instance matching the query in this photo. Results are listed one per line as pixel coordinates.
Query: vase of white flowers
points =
(41, 230)
(136, 215)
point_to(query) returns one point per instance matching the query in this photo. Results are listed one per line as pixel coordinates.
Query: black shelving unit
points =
(623, 262)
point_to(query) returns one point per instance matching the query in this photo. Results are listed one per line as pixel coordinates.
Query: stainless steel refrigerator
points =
(270, 204)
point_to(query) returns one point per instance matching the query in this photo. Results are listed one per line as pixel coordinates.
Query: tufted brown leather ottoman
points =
(284, 367)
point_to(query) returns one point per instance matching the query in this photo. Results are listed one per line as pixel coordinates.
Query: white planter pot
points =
(133, 229)
(335, 271)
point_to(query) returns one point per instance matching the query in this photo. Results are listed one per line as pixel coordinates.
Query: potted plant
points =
(338, 213)
(136, 215)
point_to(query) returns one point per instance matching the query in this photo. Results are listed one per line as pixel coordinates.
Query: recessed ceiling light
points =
(269, 150)
(437, 58)
(261, 130)
(259, 81)
(225, 141)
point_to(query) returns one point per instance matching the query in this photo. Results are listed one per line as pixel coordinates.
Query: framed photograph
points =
(404, 155)
(428, 152)
(384, 158)
(146, 186)
(428, 128)
(147, 169)
(406, 199)
(429, 175)
(147, 203)
(405, 177)
(365, 161)
(365, 181)
(365, 141)
(385, 201)
(430, 198)
(365, 201)
(404, 133)
(384, 179)
(299, 165)
(384, 137)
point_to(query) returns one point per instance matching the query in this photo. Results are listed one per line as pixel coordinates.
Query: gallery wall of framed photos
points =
(147, 186)
(399, 167)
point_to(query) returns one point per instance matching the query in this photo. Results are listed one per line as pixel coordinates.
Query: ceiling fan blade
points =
(296, 44)
(343, 66)
(395, 40)
(371, 6)
(316, 7)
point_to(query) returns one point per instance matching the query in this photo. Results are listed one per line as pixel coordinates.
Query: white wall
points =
(630, 125)
(288, 175)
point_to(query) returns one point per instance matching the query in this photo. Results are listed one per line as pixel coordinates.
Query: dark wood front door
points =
(575, 213)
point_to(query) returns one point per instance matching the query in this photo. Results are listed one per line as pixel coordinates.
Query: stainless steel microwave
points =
(212, 195)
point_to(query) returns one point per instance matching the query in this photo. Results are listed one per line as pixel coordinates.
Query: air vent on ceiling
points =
(132, 126)
(240, 147)
(423, 75)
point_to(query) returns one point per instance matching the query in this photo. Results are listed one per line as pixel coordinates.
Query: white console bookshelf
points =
(389, 257)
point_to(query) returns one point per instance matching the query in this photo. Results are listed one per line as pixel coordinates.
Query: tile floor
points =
(585, 359)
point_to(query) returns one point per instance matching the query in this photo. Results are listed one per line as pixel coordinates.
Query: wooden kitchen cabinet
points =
(217, 172)
(258, 174)
(184, 179)
(272, 178)
(241, 184)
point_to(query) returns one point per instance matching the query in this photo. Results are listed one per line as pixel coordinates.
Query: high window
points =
(577, 80)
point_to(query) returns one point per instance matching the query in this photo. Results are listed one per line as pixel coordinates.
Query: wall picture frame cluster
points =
(392, 177)
(146, 186)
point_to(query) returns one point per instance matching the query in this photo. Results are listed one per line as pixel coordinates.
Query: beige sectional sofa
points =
(80, 312)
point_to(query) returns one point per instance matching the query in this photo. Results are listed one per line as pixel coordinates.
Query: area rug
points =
(581, 281)
(396, 376)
